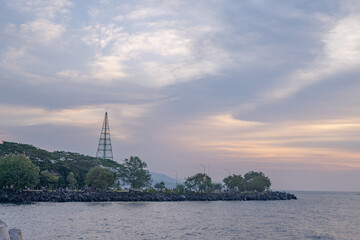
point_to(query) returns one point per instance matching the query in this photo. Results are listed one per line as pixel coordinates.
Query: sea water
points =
(315, 215)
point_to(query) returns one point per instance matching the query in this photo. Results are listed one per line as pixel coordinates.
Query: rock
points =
(4, 234)
(35, 196)
(181, 198)
(15, 234)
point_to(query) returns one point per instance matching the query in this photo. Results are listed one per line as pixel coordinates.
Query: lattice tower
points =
(104, 149)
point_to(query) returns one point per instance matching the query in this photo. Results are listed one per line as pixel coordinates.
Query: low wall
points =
(39, 196)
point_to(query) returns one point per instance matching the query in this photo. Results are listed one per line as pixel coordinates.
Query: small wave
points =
(321, 236)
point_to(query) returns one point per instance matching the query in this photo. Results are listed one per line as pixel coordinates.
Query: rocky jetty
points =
(132, 196)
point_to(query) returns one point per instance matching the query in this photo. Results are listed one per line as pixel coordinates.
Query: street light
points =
(228, 171)
(203, 167)
(176, 177)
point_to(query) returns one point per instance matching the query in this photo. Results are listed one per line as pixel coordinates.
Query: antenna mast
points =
(104, 148)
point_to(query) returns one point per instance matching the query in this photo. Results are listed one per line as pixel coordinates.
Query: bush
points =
(18, 171)
(99, 178)
(71, 180)
(160, 185)
(256, 181)
(49, 179)
(235, 183)
(199, 182)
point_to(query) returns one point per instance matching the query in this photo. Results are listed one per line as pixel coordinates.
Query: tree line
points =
(252, 181)
(59, 168)
(18, 172)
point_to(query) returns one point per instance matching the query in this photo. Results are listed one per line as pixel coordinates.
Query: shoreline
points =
(7, 196)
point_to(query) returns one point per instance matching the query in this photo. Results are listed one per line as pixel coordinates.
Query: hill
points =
(59, 162)
(169, 182)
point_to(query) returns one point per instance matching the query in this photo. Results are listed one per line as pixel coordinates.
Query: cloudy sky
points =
(234, 86)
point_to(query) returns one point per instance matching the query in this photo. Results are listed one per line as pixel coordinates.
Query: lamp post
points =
(228, 171)
(203, 167)
(176, 174)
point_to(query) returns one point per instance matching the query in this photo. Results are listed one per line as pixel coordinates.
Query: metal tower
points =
(104, 149)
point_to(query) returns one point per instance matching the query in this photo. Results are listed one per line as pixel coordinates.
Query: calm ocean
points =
(315, 215)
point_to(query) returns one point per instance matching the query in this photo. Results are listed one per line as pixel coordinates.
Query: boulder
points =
(181, 198)
(15, 234)
(4, 234)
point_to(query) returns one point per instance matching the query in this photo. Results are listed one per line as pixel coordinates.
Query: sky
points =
(224, 86)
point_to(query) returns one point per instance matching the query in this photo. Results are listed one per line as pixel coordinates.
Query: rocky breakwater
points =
(133, 196)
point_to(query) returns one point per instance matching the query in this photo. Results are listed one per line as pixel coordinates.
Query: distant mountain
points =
(169, 182)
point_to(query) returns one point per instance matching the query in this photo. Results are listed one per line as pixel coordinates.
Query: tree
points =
(71, 180)
(256, 181)
(235, 183)
(217, 186)
(18, 171)
(99, 178)
(59, 162)
(135, 173)
(199, 182)
(160, 185)
(180, 188)
(49, 179)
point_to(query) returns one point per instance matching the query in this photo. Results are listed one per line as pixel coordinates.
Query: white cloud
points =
(154, 58)
(190, 68)
(20, 56)
(47, 9)
(107, 68)
(118, 18)
(341, 52)
(342, 43)
(144, 13)
(155, 47)
(93, 12)
(41, 31)
(101, 35)
(165, 42)
(72, 74)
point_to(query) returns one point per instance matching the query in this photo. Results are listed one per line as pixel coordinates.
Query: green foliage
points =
(135, 173)
(217, 186)
(59, 162)
(71, 180)
(180, 188)
(160, 185)
(49, 179)
(256, 181)
(18, 171)
(100, 178)
(235, 183)
(199, 182)
(151, 190)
